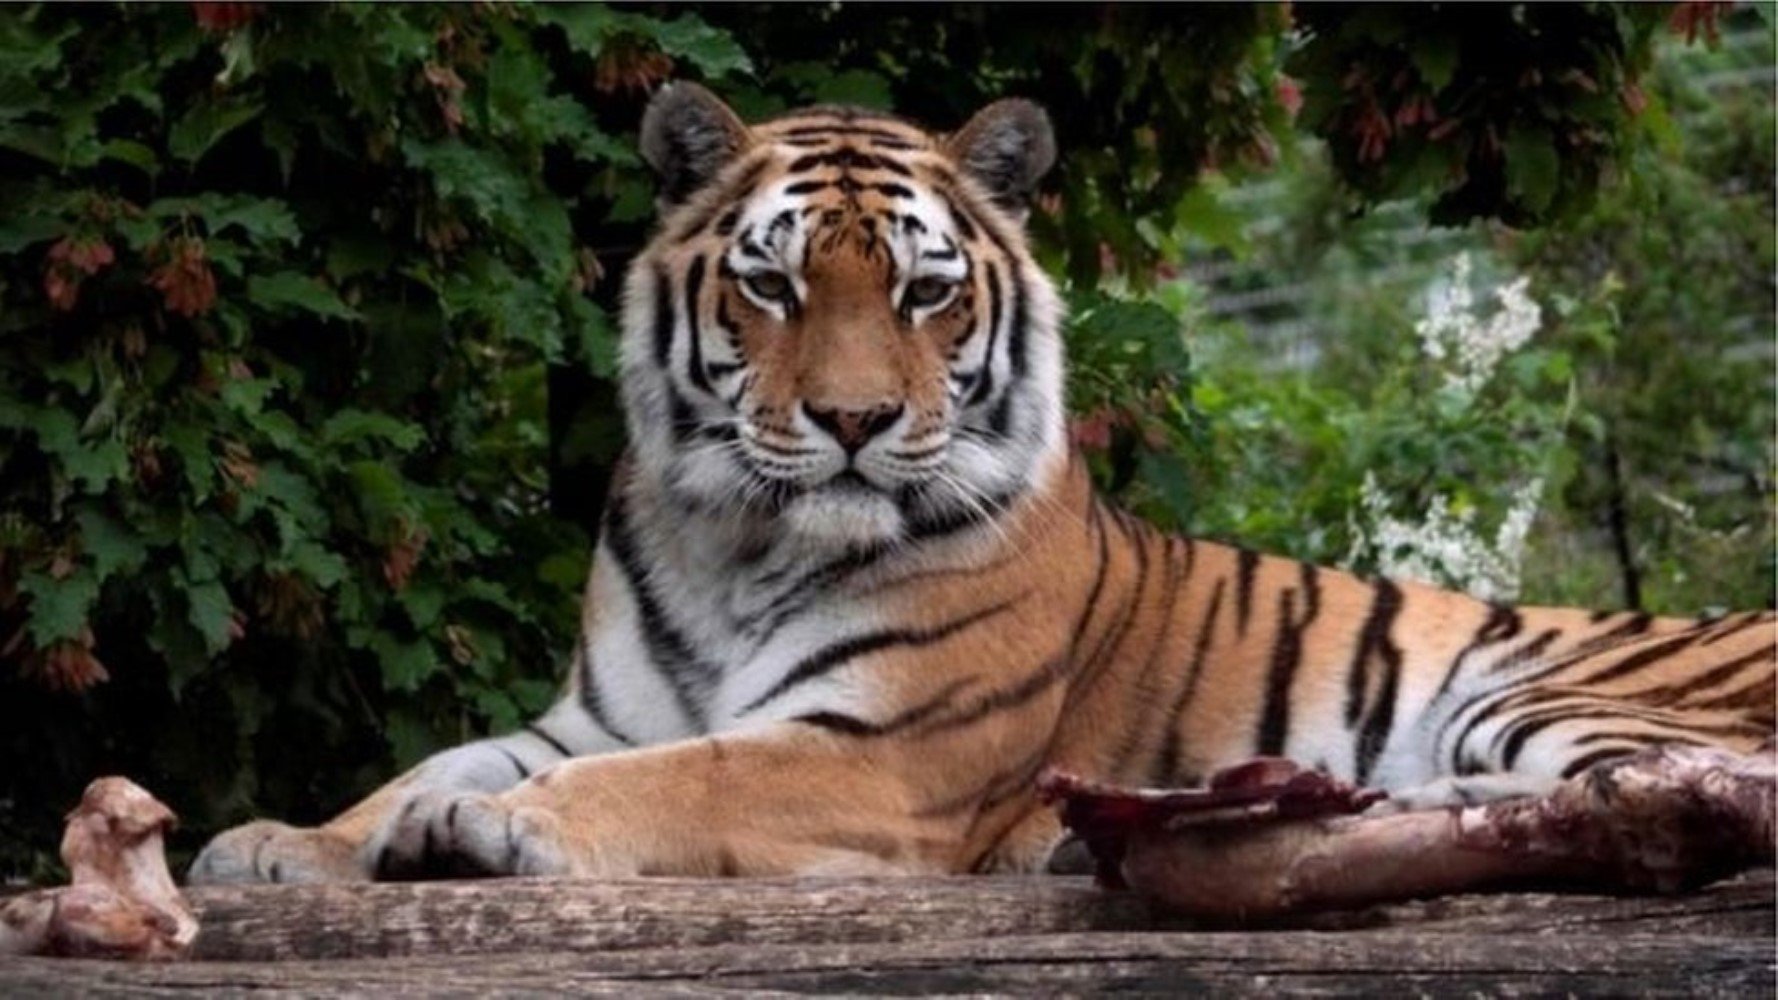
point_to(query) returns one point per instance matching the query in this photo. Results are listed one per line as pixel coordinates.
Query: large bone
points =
(122, 903)
(1269, 839)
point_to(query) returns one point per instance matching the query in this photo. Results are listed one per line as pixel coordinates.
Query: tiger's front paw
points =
(266, 851)
(458, 835)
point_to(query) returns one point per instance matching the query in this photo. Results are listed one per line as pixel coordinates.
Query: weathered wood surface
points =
(682, 937)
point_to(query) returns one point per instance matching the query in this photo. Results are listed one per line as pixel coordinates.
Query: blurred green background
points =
(306, 335)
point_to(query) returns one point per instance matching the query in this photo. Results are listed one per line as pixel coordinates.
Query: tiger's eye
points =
(925, 292)
(770, 285)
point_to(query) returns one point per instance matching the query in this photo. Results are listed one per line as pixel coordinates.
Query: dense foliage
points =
(1636, 420)
(306, 342)
(281, 291)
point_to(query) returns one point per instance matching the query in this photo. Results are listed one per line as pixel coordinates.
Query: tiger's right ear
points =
(688, 135)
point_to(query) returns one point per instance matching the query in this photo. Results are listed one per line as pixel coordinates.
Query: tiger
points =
(854, 590)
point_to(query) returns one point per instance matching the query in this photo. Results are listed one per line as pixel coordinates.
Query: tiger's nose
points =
(853, 429)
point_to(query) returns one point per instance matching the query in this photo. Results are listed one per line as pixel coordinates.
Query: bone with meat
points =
(1268, 839)
(122, 903)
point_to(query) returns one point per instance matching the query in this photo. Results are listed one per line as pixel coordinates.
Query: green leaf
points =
(586, 25)
(247, 396)
(1435, 56)
(262, 219)
(405, 664)
(133, 153)
(532, 696)
(381, 493)
(176, 641)
(410, 739)
(192, 445)
(498, 707)
(1533, 168)
(323, 568)
(93, 464)
(205, 124)
(22, 229)
(111, 547)
(354, 426)
(423, 601)
(1203, 213)
(60, 609)
(596, 337)
(45, 144)
(712, 51)
(289, 291)
(209, 610)
(295, 503)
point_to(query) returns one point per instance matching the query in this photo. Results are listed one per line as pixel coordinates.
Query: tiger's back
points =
(854, 590)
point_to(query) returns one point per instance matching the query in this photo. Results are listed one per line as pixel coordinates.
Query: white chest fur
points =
(691, 634)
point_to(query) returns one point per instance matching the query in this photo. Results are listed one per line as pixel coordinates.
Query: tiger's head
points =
(837, 329)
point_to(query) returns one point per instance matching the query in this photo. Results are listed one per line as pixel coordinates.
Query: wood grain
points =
(980, 935)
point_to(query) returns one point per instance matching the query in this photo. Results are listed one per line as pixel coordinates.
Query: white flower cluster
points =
(1445, 547)
(1452, 331)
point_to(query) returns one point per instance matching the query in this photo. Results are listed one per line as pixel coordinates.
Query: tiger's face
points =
(838, 330)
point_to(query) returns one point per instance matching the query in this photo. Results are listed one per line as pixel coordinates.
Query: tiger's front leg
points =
(364, 842)
(787, 799)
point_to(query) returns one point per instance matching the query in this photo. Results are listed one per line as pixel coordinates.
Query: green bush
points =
(281, 287)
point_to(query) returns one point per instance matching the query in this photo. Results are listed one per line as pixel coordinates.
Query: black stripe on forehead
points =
(847, 185)
(839, 132)
(848, 158)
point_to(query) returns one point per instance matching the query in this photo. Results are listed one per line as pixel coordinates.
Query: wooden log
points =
(1237, 964)
(261, 923)
(267, 923)
(1018, 935)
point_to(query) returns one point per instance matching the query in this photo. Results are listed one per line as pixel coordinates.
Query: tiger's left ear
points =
(688, 136)
(1007, 147)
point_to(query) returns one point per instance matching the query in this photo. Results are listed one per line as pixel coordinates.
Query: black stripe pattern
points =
(836, 655)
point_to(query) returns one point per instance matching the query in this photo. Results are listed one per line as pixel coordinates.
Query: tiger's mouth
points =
(853, 481)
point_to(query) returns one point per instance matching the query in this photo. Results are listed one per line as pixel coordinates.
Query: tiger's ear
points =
(688, 135)
(1007, 147)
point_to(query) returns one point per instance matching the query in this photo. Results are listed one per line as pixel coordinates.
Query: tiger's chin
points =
(844, 516)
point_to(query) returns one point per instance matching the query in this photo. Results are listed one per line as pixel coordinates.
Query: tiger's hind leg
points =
(1521, 732)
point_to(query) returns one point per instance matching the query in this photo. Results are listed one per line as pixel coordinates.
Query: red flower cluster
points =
(626, 64)
(403, 556)
(447, 87)
(69, 263)
(185, 280)
(1290, 95)
(222, 17)
(1688, 18)
(67, 665)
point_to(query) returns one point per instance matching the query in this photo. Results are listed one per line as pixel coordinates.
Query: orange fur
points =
(1056, 631)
